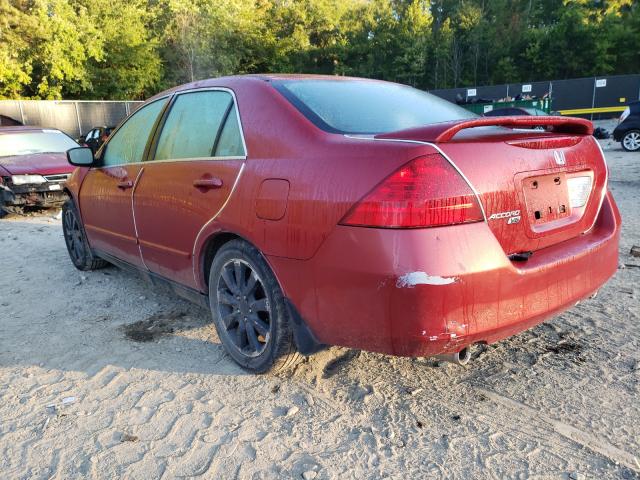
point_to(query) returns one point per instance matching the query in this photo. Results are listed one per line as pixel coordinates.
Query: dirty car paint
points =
(415, 292)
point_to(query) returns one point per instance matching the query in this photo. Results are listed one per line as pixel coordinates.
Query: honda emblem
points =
(559, 156)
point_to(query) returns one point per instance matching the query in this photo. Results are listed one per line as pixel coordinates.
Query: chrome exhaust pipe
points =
(459, 358)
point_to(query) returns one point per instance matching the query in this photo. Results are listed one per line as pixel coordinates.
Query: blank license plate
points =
(547, 198)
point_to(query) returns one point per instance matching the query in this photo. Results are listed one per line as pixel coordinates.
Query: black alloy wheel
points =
(76, 240)
(243, 307)
(249, 311)
(73, 236)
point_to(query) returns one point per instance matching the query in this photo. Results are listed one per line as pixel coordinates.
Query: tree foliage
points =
(120, 49)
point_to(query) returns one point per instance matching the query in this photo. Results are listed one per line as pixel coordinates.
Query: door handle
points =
(207, 183)
(126, 184)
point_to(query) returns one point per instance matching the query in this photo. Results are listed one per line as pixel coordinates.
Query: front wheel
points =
(631, 141)
(76, 240)
(249, 311)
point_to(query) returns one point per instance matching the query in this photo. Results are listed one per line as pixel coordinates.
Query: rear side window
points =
(230, 141)
(199, 124)
(367, 107)
(128, 143)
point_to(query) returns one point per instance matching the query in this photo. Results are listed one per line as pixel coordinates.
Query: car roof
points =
(23, 128)
(308, 76)
(234, 80)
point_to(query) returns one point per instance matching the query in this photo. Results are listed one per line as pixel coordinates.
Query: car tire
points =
(249, 311)
(76, 240)
(631, 141)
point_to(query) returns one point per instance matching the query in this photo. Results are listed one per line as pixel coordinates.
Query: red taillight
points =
(426, 192)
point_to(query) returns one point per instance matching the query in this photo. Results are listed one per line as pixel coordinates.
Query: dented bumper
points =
(44, 195)
(429, 291)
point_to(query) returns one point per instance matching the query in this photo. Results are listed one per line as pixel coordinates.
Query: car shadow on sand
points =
(116, 318)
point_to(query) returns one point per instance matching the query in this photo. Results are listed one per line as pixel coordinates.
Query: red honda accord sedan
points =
(307, 211)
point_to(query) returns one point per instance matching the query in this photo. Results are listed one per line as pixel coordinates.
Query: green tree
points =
(129, 65)
(132, 49)
(47, 45)
(15, 64)
(206, 38)
(388, 40)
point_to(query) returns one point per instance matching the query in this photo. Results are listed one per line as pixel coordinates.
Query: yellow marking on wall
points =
(583, 111)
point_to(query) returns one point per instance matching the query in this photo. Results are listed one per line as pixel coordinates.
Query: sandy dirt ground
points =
(102, 376)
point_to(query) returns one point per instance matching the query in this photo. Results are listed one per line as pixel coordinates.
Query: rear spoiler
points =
(444, 132)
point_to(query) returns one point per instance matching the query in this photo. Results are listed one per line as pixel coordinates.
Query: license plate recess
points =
(547, 199)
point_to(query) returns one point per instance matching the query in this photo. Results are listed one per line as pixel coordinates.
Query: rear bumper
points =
(430, 291)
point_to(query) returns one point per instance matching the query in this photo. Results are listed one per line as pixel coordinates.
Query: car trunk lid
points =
(537, 188)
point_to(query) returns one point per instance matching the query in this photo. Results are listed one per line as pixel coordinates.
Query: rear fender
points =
(205, 238)
(306, 341)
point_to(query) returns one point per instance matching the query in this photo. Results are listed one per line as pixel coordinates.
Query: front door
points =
(106, 194)
(197, 157)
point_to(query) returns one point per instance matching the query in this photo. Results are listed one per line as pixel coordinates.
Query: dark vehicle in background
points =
(511, 111)
(96, 137)
(628, 130)
(33, 168)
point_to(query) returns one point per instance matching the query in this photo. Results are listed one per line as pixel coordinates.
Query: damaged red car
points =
(33, 168)
(307, 211)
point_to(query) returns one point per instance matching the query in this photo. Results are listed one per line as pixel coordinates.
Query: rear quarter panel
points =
(327, 174)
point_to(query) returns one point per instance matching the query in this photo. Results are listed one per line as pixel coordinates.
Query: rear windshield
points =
(367, 107)
(46, 141)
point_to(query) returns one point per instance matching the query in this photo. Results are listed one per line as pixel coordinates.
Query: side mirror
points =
(80, 157)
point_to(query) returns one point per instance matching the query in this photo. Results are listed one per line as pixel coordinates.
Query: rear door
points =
(106, 194)
(195, 160)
